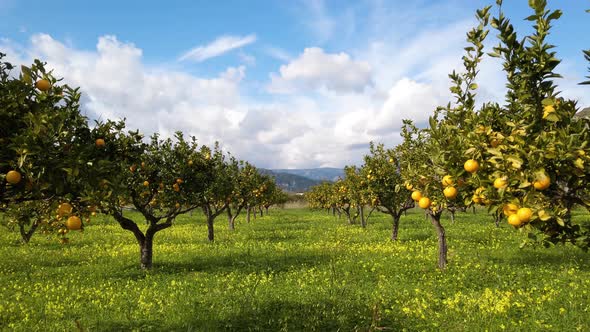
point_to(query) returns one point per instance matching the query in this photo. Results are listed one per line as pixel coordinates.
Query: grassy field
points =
(294, 270)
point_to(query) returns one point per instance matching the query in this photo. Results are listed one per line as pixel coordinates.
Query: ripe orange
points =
(416, 195)
(471, 166)
(179, 181)
(510, 209)
(176, 187)
(409, 186)
(74, 223)
(447, 181)
(132, 168)
(177, 205)
(524, 214)
(190, 162)
(146, 183)
(64, 209)
(391, 160)
(424, 202)
(542, 183)
(500, 183)
(514, 220)
(450, 192)
(100, 143)
(13, 177)
(43, 85)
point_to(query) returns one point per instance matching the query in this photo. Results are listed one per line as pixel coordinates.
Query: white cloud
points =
(217, 47)
(315, 69)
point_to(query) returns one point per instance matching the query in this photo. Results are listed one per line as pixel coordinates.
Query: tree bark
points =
(266, 208)
(248, 212)
(147, 250)
(230, 219)
(442, 240)
(210, 230)
(362, 216)
(452, 216)
(26, 235)
(395, 228)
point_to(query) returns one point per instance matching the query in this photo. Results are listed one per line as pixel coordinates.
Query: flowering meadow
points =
(295, 270)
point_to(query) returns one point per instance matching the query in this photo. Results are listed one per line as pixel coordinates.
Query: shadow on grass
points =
(544, 256)
(321, 315)
(244, 262)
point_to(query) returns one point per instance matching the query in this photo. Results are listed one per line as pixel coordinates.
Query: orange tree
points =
(271, 194)
(161, 180)
(320, 196)
(385, 184)
(357, 191)
(436, 173)
(535, 154)
(43, 143)
(218, 194)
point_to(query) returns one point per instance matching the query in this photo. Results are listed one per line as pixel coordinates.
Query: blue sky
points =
(281, 83)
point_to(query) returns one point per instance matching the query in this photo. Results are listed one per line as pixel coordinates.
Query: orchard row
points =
(527, 160)
(57, 171)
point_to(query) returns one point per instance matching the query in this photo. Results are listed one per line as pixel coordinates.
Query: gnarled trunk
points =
(442, 240)
(26, 235)
(146, 251)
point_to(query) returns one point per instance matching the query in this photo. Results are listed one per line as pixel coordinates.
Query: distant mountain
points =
(585, 113)
(291, 182)
(318, 174)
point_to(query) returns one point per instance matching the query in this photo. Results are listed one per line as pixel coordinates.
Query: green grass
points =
(294, 270)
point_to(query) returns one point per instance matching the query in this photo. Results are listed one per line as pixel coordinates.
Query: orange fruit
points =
(524, 214)
(190, 162)
(179, 181)
(99, 143)
(64, 209)
(471, 166)
(424, 202)
(500, 183)
(510, 209)
(177, 205)
(43, 85)
(542, 183)
(514, 220)
(416, 195)
(450, 192)
(176, 187)
(447, 181)
(74, 223)
(409, 186)
(146, 183)
(13, 177)
(132, 168)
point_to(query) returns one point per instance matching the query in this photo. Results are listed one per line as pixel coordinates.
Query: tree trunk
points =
(26, 235)
(452, 216)
(255, 212)
(146, 251)
(230, 219)
(260, 209)
(210, 231)
(266, 208)
(248, 212)
(442, 241)
(362, 215)
(497, 217)
(395, 228)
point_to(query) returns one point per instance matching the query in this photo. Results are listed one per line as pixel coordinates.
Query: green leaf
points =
(26, 74)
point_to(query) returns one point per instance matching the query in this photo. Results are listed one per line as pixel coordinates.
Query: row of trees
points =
(56, 171)
(527, 160)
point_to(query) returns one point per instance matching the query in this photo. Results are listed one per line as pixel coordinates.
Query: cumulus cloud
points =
(315, 69)
(217, 47)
